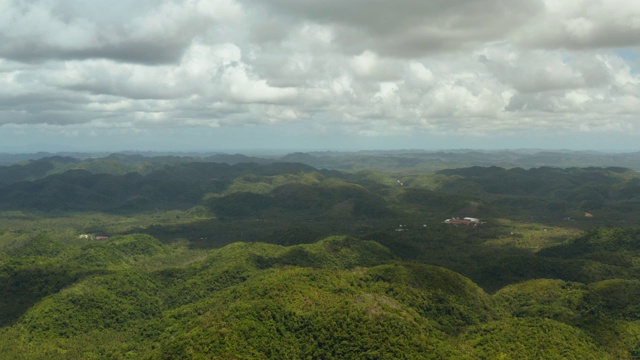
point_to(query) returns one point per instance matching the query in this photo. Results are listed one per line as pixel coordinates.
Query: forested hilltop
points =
(373, 256)
(417, 161)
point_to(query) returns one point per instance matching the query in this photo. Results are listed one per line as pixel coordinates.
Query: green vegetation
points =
(128, 257)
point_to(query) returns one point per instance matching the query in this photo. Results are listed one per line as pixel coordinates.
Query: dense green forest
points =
(235, 257)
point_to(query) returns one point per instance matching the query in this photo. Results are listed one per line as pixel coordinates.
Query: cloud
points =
(151, 33)
(244, 88)
(534, 71)
(409, 28)
(193, 75)
(350, 68)
(584, 24)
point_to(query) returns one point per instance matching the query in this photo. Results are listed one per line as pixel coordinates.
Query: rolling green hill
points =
(338, 298)
(128, 257)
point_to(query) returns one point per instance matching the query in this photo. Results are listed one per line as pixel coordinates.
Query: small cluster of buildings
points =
(455, 221)
(92, 237)
(467, 221)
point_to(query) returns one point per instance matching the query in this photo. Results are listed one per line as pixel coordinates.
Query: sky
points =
(210, 75)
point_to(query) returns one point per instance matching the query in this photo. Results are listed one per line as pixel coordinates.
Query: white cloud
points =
(400, 67)
(242, 86)
(420, 73)
(534, 71)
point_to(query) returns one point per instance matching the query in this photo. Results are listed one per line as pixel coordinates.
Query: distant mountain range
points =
(394, 160)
